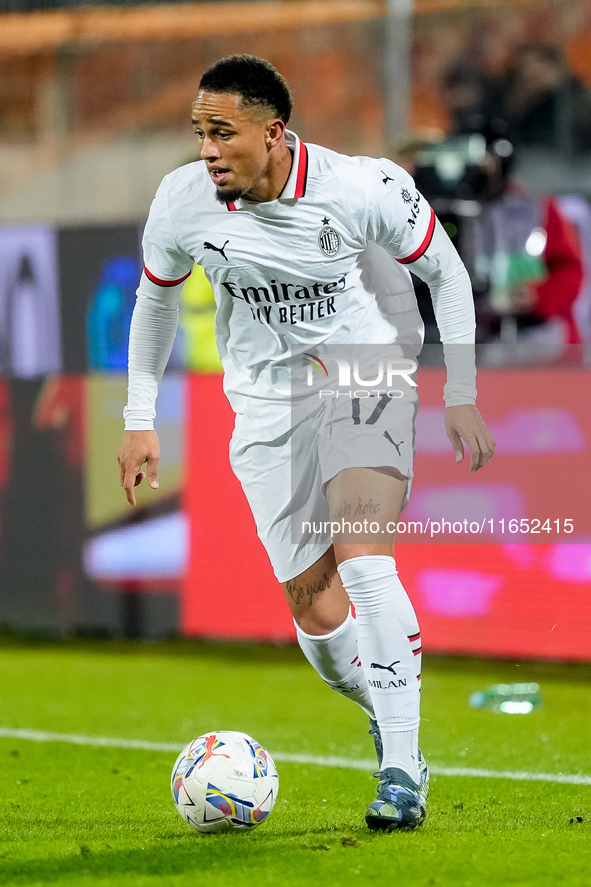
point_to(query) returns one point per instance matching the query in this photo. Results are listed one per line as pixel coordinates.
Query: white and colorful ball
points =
(223, 781)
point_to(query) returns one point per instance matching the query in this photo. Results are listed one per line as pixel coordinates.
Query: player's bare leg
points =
(386, 624)
(326, 630)
(316, 598)
(321, 607)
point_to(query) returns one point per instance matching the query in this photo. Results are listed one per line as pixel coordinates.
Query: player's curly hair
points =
(254, 79)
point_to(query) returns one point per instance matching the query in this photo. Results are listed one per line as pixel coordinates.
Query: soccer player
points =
(307, 250)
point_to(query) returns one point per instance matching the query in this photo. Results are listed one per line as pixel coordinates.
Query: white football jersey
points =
(326, 262)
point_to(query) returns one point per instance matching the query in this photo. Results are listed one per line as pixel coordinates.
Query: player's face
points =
(236, 145)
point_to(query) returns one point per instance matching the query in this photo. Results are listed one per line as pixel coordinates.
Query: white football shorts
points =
(284, 479)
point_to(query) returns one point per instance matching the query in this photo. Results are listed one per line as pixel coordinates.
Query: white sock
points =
(408, 619)
(385, 619)
(336, 659)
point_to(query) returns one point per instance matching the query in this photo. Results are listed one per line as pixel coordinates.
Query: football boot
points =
(401, 803)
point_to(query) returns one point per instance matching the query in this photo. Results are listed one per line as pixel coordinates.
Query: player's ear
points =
(275, 132)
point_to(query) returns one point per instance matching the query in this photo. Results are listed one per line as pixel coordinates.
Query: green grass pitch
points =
(80, 815)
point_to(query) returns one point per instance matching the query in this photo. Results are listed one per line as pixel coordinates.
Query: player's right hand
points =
(135, 449)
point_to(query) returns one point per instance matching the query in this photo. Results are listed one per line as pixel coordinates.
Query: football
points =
(224, 781)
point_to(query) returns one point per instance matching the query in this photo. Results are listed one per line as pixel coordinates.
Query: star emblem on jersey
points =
(329, 240)
(406, 195)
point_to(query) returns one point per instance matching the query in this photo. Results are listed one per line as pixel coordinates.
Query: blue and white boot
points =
(401, 803)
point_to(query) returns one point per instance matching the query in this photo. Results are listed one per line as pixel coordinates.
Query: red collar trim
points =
(302, 176)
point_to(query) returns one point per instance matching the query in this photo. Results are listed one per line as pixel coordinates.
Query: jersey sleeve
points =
(405, 225)
(165, 262)
(155, 315)
(400, 219)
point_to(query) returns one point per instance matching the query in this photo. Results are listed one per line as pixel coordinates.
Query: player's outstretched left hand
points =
(465, 423)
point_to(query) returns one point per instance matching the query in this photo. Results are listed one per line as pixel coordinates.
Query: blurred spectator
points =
(578, 211)
(522, 253)
(530, 259)
(544, 103)
(473, 101)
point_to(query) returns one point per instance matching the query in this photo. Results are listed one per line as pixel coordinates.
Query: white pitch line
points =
(288, 758)
(78, 739)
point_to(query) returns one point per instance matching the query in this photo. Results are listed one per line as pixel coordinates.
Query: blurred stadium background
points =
(94, 110)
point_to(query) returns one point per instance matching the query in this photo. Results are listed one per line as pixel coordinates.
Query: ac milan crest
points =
(329, 241)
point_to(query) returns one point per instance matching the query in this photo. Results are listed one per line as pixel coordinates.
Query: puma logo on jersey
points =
(387, 177)
(386, 667)
(397, 445)
(217, 249)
